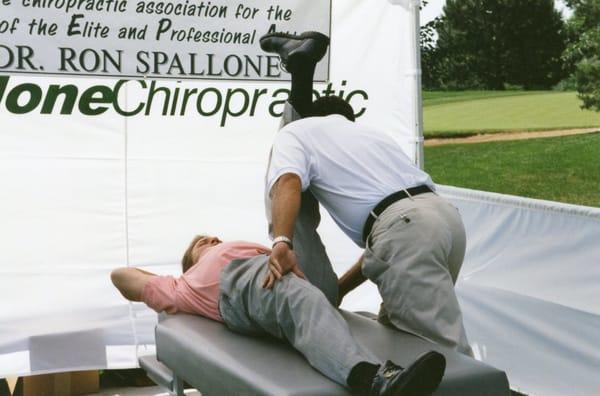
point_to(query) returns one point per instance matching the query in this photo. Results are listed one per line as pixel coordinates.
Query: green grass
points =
(467, 113)
(564, 169)
(432, 98)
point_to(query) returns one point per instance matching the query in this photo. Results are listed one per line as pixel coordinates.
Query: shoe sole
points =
(423, 376)
(314, 38)
(305, 35)
(309, 51)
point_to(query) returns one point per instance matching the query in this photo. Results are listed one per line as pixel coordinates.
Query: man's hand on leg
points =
(281, 261)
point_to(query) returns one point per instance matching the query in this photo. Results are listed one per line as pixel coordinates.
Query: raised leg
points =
(308, 245)
(299, 55)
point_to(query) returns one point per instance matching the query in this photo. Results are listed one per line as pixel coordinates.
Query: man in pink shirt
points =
(223, 281)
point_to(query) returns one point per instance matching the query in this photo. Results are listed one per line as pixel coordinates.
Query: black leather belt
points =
(387, 201)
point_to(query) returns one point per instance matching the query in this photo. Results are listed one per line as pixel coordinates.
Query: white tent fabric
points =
(528, 289)
(82, 195)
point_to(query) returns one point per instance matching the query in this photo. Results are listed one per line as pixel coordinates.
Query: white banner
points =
(175, 39)
(100, 173)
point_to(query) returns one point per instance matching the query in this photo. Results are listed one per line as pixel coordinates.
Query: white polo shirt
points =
(349, 167)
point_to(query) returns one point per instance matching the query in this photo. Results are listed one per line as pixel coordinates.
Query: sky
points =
(434, 9)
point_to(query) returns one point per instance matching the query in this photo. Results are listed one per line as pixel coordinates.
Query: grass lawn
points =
(565, 169)
(432, 98)
(471, 112)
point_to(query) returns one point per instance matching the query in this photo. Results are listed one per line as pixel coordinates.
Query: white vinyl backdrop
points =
(81, 195)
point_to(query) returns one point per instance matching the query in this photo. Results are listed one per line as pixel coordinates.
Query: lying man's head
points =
(198, 245)
(327, 105)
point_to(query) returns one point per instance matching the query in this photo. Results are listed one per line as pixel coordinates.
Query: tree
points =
(491, 43)
(427, 41)
(582, 55)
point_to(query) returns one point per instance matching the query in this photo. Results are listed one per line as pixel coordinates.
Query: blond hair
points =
(187, 260)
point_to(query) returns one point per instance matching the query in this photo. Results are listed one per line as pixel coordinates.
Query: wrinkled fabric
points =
(414, 254)
(295, 311)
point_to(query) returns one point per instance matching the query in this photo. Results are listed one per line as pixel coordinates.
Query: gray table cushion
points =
(219, 362)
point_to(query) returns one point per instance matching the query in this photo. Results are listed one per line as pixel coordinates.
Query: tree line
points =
(514, 44)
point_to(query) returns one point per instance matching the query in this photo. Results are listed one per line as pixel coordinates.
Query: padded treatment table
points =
(217, 361)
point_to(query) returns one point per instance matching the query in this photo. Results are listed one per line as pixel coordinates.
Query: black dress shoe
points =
(421, 378)
(295, 51)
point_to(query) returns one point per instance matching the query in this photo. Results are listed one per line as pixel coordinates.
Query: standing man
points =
(414, 240)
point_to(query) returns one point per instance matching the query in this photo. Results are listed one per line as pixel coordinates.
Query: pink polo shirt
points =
(197, 290)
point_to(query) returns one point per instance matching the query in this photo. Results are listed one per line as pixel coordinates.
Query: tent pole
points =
(414, 7)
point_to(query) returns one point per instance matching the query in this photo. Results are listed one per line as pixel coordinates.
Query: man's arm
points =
(285, 207)
(131, 282)
(351, 279)
(286, 204)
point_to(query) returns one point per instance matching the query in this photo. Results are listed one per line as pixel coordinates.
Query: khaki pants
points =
(413, 255)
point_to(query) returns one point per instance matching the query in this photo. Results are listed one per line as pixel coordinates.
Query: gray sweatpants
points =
(295, 311)
(414, 254)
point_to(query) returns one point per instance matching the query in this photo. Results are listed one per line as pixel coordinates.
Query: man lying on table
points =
(223, 281)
